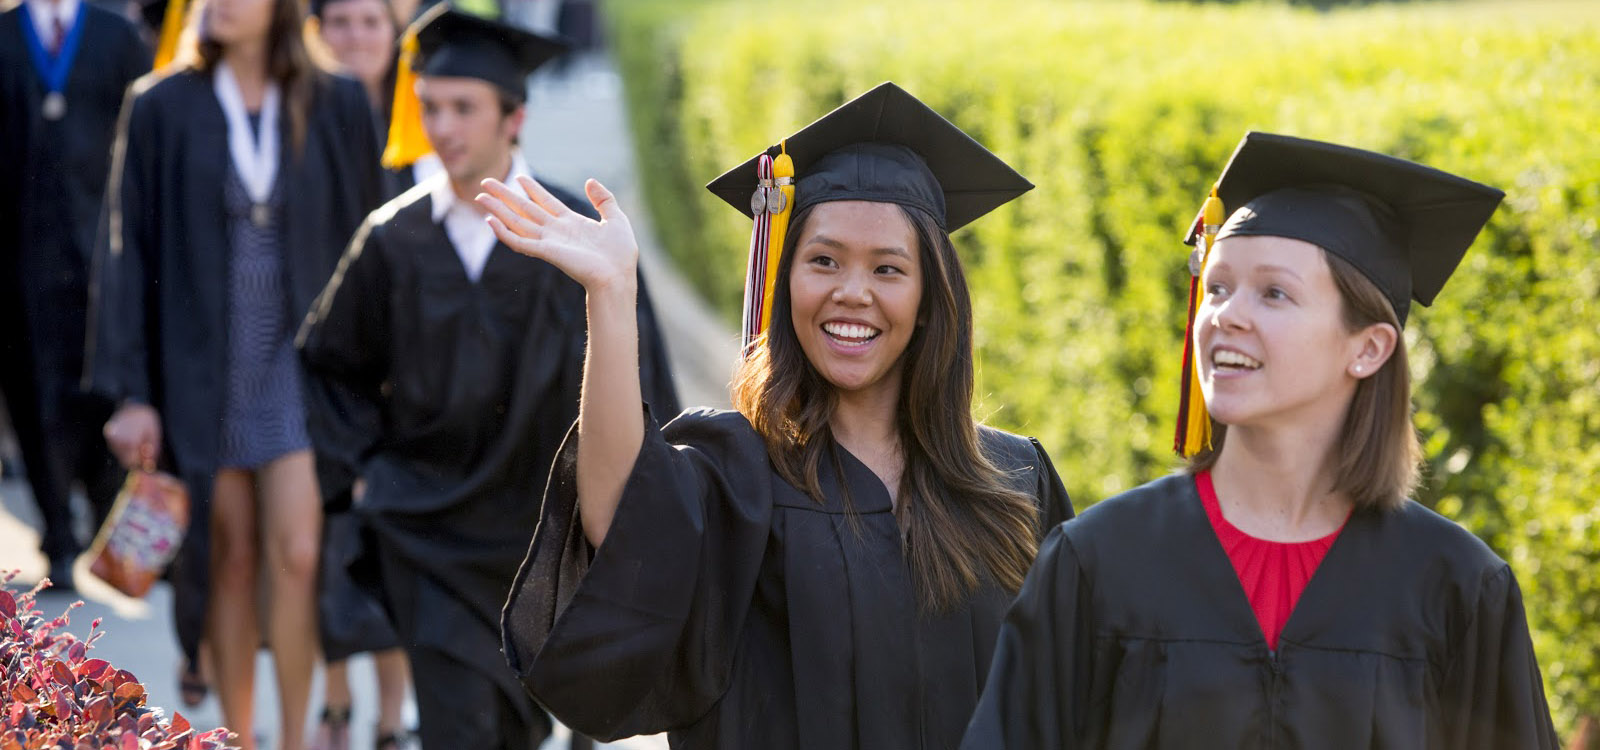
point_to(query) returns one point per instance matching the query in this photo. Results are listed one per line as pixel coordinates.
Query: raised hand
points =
(600, 255)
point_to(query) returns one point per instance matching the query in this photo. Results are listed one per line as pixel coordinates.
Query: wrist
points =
(620, 290)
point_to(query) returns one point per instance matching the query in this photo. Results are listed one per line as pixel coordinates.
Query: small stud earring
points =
(1358, 369)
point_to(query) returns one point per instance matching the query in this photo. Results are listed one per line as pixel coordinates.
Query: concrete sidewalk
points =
(576, 129)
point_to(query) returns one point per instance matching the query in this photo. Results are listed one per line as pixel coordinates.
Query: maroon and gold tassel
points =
(1193, 431)
(771, 204)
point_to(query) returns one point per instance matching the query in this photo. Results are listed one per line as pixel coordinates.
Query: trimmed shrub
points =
(1122, 113)
(55, 696)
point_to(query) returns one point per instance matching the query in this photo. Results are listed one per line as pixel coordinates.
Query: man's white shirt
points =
(464, 223)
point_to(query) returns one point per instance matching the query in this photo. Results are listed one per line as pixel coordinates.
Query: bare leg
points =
(291, 524)
(231, 614)
(394, 677)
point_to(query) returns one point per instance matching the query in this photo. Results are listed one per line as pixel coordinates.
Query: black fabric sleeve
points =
(1055, 507)
(1493, 695)
(364, 148)
(639, 635)
(345, 343)
(1038, 681)
(120, 315)
(135, 59)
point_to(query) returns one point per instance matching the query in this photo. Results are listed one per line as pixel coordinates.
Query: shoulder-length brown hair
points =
(294, 64)
(1379, 460)
(964, 522)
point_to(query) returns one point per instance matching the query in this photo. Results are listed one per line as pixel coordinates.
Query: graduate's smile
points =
(850, 335)
(1227, 362)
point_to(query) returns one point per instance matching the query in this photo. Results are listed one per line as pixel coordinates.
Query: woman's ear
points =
(1373, 347)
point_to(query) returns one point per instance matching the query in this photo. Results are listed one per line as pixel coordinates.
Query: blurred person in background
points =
(64, 66)
(361, 35)
(239, 174)
(452, 366)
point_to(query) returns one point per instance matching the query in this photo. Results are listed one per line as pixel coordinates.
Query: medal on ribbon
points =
(53, 70)
(254, 159)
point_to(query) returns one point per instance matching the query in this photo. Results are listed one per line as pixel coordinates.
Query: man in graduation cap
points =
(1283, 591)
(63, 67)
(450, 368)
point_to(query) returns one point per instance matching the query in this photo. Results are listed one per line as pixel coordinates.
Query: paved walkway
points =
(576, 129)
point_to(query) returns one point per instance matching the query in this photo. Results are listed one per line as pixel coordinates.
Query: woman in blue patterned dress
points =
(240, 172)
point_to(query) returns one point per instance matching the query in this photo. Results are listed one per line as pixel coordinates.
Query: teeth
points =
(850, 331)
(1226, 358)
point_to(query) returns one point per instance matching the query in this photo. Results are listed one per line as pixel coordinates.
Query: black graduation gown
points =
(450, 398)
(161, 277)
(52, 180)
(731, 610)
(1132, 631)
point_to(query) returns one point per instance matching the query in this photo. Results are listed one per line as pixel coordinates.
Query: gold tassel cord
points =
(171, 28)
(408, 142)
(1194, 421)
(783, 180)
(755, 276)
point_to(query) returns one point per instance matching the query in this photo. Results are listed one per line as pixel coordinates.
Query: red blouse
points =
(1273, 574)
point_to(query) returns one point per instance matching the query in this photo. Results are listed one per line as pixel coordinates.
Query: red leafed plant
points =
(57, 698)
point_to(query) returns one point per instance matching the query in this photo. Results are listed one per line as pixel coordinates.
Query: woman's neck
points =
(1277, 483)
(865, 423)
(248, 60)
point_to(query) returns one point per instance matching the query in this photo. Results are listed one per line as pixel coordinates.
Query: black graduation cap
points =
(152, 13)
(1404, 225)
(886, 146)
(458, 44)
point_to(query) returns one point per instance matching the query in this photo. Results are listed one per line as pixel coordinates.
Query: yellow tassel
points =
(171, 29)
(783, 174)
(408, 142)
(1194, 420)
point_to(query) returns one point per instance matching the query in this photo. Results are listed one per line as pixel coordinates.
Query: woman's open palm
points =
(596, 254)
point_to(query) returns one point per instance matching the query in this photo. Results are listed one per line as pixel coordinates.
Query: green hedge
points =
(1121, 113)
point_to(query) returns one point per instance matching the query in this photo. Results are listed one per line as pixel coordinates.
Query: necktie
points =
(60, 33)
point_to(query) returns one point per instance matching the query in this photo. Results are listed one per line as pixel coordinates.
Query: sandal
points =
(333, 729)
(396, 740)
(192, 687)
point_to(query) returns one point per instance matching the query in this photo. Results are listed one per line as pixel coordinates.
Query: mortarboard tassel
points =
(783, 179)
(1194, 422)
(171, 28)
(771, 205)
(407, 140)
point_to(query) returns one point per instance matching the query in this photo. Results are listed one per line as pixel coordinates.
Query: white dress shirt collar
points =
(464, 223)
(44, 13)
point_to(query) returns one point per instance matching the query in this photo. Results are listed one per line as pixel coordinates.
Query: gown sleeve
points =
(345, 345)
(1055, 506)
(639, 635)
(117, 363)
(1493, 696)
(1038, 680)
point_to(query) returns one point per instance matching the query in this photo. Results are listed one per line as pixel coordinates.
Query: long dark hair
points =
(295, 65)
(964, 522)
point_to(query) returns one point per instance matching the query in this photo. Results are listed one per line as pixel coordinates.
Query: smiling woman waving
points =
(826, 566)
